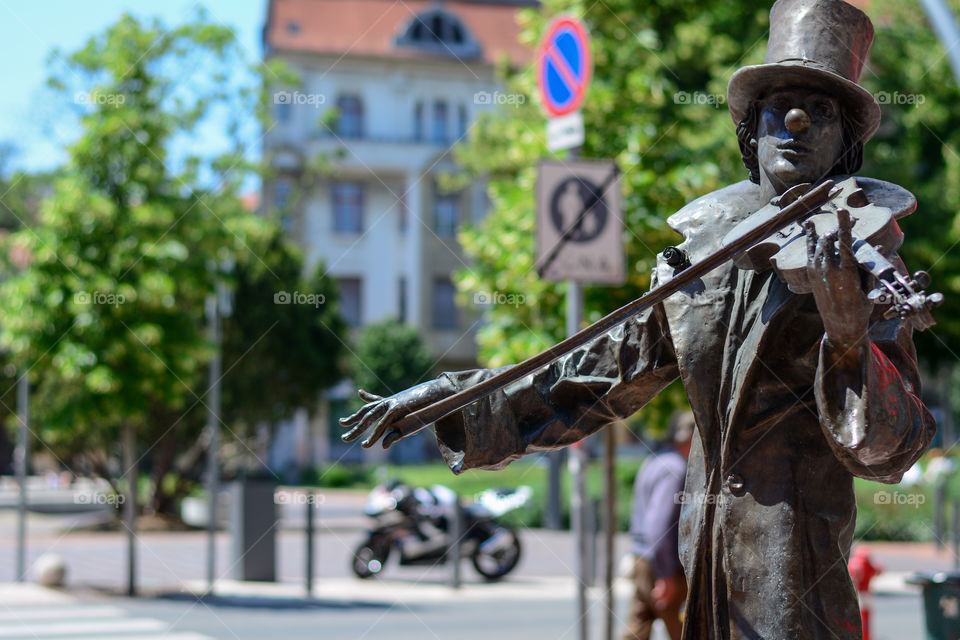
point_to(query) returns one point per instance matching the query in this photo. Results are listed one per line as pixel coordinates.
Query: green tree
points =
(918, 146)
(108, 314)
(656, 106)
(389, 358)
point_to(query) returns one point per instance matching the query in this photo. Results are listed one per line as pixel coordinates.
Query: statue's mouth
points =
(794, 147)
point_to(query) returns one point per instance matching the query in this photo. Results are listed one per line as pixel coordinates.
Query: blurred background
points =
(219, 218)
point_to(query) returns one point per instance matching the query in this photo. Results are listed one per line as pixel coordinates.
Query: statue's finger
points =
(384, 423)
(390, 438)
(810, 229)
(377, 410)
(366, 396)
(845, 233)
(351, 420)
(828, 246)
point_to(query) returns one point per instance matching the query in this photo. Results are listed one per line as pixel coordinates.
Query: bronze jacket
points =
(769, 508)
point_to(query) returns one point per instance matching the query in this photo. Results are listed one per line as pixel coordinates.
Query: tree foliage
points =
(107, 314)
(918, 147)
(657, 106)
(390, 357)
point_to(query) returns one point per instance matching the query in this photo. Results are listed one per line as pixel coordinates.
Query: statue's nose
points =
(797, 121)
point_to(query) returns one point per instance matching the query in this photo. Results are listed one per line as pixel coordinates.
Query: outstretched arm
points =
(605, 380)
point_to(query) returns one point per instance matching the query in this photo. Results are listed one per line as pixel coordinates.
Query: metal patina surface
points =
(793, 394)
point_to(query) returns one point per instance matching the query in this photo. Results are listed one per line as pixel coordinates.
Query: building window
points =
(441, 33)
(462, 122)
(351, 293)
(402, 306)
(281, 194)
(418, 122)
(347, 200)
(350, 120)
(439, 121)
(282, 110)
(446, 215)
(444, 306)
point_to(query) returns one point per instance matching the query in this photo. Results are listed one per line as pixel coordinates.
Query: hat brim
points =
(753, 82)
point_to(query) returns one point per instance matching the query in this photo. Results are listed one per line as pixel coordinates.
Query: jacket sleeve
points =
(871, 413)
(607, 379)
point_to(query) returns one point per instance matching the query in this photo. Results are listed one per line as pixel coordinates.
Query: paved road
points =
(415, 613)
(537, 601)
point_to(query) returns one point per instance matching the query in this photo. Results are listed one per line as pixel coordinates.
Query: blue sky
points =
(30, 29)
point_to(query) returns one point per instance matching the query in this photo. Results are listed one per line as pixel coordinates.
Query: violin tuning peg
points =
(921, 279)
(879, 296)
(934, 300)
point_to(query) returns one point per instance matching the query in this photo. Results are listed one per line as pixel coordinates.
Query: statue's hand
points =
(837, 285)
(383, 413)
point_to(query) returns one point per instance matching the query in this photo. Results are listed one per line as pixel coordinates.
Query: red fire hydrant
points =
(862, 570)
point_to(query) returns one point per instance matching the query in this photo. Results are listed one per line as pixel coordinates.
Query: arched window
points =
(440, 32)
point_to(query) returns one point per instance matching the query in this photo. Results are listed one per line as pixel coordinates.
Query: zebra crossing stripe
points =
(18, 614)
(123, 625)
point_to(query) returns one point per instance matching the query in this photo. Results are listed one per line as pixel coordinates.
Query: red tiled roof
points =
(369, 27)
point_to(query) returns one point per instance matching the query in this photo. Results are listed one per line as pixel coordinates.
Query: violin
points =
(876, 234)
(770, 238)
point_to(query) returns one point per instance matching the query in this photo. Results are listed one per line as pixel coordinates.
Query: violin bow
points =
(423, 418)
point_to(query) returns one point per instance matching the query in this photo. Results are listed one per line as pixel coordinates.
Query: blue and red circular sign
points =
(564, 66)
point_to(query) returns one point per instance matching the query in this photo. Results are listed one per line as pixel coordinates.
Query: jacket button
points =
(735, 483)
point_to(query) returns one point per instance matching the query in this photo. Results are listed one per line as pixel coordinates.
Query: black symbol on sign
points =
(577, 198)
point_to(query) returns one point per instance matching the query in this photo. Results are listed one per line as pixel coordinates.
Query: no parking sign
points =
(563, 69)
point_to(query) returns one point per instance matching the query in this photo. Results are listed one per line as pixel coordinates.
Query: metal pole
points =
(130, 505)
(554, 520)
(213, 427)
(457, 525)
(945, 26)
(309, 532)
(609, 525)
(311, 509)
(20, 458)
(956, 535)
(578, 467)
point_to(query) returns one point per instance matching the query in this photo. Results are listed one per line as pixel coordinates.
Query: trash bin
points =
(941, 604)
(253, 529)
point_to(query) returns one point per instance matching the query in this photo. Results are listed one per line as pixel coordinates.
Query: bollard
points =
(862, 570)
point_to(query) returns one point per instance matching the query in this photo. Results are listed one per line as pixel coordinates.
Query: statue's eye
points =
(824, 110)
(779, 103)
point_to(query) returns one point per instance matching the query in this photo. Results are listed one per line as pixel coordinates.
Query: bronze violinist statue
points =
(796, 387)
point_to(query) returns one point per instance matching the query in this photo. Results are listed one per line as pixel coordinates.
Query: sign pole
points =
(609, 525)
(578, 464)
(564, 67)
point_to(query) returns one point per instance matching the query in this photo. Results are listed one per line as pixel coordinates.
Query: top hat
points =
(820, 44)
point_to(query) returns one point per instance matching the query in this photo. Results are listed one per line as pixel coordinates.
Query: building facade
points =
(388, 87)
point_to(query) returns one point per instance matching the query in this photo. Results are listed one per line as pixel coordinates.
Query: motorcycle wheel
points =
(370, 557)
(495, 564)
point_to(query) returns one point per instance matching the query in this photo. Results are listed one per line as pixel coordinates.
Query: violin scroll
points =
(907, 299)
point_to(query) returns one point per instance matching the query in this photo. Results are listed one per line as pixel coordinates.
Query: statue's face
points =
(799, 137)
